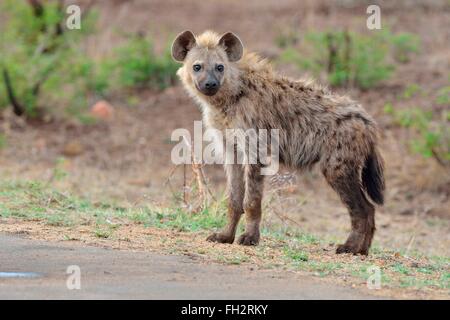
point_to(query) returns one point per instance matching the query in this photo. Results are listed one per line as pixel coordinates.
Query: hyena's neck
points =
(231, 91)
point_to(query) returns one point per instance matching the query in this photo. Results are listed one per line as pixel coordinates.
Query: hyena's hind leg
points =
(236, 191)
(346, 182)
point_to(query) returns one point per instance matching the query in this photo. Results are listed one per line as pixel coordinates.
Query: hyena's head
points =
(208, 60)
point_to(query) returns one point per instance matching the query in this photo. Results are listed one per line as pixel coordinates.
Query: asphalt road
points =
(114, 274)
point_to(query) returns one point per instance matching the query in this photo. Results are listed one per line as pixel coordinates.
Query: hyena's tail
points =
(373, 177)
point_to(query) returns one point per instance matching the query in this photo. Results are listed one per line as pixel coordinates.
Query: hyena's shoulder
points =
(269, 89)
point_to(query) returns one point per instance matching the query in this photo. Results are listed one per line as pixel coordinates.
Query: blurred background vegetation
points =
(45, 66)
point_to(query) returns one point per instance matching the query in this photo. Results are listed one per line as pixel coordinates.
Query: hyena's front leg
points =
(254, 183)
(236, 189)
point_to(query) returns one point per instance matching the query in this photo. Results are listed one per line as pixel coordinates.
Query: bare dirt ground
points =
(127, 159)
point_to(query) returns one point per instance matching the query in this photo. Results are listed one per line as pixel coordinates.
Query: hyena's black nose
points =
(211, 85)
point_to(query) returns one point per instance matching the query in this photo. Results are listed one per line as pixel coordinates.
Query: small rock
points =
(407, 212)
(102, 110)
(73, 149)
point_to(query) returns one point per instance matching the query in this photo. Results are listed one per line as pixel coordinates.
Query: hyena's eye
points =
(220, 67)
(197, 67)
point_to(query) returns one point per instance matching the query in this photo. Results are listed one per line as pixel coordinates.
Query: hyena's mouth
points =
(207, 91)
(210, 92)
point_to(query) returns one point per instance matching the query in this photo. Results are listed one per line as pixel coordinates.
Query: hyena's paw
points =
(220, 238)
(355, 249)
(249, 239)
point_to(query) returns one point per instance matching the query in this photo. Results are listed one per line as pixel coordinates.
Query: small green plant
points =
(295, 254)
(432, 131)
(403, 44)
(443, 97)
(410, 91)
(400, 268)
(2, 141)
(59, 173)
(137, 65)
(102, 233)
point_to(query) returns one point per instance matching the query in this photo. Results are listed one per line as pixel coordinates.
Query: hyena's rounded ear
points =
(184, 42)
(232, 45)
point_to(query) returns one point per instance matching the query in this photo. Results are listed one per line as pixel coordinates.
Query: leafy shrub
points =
(137, 65)
(443, 97)
(38, 57)
(350, 58)
(432, 131)
(403, 44)
(46, 67)
(410, 91)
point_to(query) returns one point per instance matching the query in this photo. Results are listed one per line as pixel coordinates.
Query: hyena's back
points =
(315, 125)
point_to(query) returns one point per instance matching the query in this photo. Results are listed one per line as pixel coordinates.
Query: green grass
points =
(294, 249)
(295, 254)
(35, 201)
(2, 140)
(400, 268)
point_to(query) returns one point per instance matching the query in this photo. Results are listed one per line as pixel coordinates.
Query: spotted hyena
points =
(239, 90)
